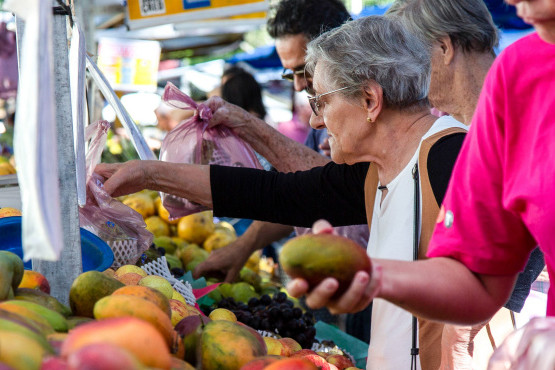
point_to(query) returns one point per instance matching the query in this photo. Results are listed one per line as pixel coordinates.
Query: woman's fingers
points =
(106, 169)
(297, 287)
(361, 292)
(321, 295)
(322, 227)
(358, 296)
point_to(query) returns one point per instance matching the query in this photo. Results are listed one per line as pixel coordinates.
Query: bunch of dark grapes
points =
(274, 315)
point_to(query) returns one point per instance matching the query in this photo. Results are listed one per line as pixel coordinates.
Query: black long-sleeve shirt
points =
(333, 192)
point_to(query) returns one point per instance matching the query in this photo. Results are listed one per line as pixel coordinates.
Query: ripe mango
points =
(297, 363)
(196, 228)
(190, 329)
(11, 273)
(316, 257)
(141, 203)
(46, 300)
(21, 352)
(10, 321)
(6, 169)
(28, 314)
(74, 321)
(56, 320)
(157, 226)
(87, 289)
(137, 336)
(147, 293)
(225, 345)
(9, 212)
(34, 280)
(103, 356)
(217, 240)
(122, 305)
(181, 310)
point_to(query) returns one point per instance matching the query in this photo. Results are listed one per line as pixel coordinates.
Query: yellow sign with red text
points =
(149, 13)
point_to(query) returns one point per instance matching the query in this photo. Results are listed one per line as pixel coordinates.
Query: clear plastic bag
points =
(192, 141)
(530, 347)
(120, 226)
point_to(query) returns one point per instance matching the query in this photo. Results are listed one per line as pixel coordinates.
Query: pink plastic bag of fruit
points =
(120, 226)
(192, 141)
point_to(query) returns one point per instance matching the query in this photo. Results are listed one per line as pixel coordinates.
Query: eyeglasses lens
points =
(313, 104)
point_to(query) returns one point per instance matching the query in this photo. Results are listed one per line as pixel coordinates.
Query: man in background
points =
(293, 24)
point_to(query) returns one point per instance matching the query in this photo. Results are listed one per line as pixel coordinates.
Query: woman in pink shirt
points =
(500, 203)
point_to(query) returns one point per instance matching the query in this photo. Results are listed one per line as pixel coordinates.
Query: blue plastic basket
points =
(95, 253)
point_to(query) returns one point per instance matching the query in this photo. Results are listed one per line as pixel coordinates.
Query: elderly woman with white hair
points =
(371, 78)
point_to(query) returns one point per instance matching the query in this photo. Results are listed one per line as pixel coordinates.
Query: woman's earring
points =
(368, 119)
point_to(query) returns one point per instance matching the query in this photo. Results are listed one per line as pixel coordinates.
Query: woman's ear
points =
(373, 100)
(447, 49)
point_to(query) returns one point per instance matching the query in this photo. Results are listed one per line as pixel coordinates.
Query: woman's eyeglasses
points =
(314, 101)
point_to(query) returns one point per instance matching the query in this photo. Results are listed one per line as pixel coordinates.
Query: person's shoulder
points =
(525, 50)
(442, 124)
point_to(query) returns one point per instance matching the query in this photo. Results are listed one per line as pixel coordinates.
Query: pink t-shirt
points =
(501, 200)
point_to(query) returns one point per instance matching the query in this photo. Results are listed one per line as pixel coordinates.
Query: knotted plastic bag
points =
(192, 141)
(120, 226)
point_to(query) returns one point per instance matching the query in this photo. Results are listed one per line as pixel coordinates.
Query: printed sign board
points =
(149, 13)
(129, 65)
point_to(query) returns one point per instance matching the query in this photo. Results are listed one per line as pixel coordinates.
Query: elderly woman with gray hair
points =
(371, 78)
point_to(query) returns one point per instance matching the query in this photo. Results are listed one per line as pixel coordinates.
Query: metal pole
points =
(85, 12)
(61, 273)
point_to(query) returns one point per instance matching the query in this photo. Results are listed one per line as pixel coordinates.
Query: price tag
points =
(152, 7)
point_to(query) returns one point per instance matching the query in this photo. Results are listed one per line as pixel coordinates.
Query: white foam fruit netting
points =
(160, 267)
(124, 252)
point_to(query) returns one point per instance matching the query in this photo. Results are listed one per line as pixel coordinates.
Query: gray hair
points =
(468, 23)
(374, 48)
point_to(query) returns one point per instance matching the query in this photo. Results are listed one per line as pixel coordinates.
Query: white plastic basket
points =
(159, 267)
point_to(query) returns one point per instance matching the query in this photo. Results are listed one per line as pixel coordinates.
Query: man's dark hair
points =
(242, 90)
(309, 17)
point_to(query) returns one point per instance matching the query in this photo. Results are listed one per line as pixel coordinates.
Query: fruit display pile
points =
(274, 315)
(124, 318)
(186, 241)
